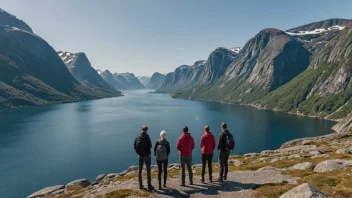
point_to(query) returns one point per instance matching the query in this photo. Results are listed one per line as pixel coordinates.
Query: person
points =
(162, 152)
(224, 149)
(207, 143)
(185, 145)
(142, 146)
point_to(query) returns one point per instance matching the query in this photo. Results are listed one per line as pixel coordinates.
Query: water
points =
(55, 144)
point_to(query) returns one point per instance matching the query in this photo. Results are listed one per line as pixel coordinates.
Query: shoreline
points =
(266, 109)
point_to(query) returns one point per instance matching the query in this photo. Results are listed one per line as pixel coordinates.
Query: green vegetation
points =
(121, 193)
(272, 190)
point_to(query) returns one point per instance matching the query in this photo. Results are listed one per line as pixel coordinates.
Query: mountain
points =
(132, 81)
(122, 80)
(144, 79)
(109, 78)
(80, 67)
(182, 78)
(155, 81)
(10, 20)
(325, 88)
(267, 61)
(316, 35)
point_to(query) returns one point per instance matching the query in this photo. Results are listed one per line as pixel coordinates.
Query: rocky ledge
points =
(307, 167)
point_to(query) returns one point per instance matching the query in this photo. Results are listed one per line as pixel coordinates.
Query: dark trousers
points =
(147, 161)
(224, 165)
(162, 165)
(186, 161)
(207, 158)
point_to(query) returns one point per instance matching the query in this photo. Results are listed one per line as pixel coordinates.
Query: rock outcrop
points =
(304, 191)
(155, 81)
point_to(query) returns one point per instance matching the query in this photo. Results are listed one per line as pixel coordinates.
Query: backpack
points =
(161, 153)
(230, 142)
(139, 146)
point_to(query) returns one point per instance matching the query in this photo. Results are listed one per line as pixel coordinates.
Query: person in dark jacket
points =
(224, 153)
(142, 146)
(207, 143)
(185, 145)
(162, 152)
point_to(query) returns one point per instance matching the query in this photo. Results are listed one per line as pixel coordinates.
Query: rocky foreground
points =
(307, 167)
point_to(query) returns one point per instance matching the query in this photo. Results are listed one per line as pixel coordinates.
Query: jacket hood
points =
(187, 134)
(207, 134)
(144, 135)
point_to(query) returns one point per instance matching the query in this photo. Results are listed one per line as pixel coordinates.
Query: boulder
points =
(330, 165)
(100, 178)
(46, 191)
(343, 151)
(294, 156)
(304, 191)
(266, 153)
(131, 168)
(111, 175)
(196, 166)
(131, 173)
(302, 166)
(236, 162)
(79, 182)
(315, 152)
(267, 168)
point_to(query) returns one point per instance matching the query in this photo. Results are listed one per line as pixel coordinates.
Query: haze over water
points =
(55, 144)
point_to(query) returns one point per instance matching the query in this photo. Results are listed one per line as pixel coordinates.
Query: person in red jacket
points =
(185, 145)
(207, 143)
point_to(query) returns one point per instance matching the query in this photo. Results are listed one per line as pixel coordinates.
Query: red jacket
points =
(185, 144)
(207, 142)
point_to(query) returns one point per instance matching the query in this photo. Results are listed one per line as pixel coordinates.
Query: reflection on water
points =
(55, 144)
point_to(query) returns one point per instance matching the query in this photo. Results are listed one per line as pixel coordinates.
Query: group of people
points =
(185, 146)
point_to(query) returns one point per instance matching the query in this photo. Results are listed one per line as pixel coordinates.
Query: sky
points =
(147, 36)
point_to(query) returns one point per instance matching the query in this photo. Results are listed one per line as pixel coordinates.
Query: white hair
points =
(163, 134)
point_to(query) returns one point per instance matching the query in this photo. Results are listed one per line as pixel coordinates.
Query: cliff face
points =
(267, 61)
(10, 20)
(80, 67)
(182, 78)
(324, 89)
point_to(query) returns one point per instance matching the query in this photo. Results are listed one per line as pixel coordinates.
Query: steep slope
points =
(10, 20)
(35, 61)
(133, 82)
(182, 78)
(122, 80)
(108, 77)
(325, 88)
(267, 61)
(80, 67)
(155, 81)
(144, 80)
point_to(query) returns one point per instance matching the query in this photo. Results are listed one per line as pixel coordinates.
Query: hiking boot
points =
(141, 186)
(225, 178)
(183, 184)
(164, 185)
(202, 181)
(220, 180)
(160, 188)
(150, 188)
(211, 181)
(191, 183)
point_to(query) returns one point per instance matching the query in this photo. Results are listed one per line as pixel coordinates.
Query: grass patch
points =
(272, 190)
(121, 193)
(335, 183)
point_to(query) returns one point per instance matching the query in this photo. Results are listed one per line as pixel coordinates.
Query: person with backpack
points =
(185, 145)
(207, 143)
(161, 153)
(225, 146)
(142, 146)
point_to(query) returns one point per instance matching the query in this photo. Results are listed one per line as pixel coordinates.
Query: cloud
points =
(181, 48)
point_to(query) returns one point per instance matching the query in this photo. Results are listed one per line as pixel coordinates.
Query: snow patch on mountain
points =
(67, 57)
(236, 49)
(317, 31)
